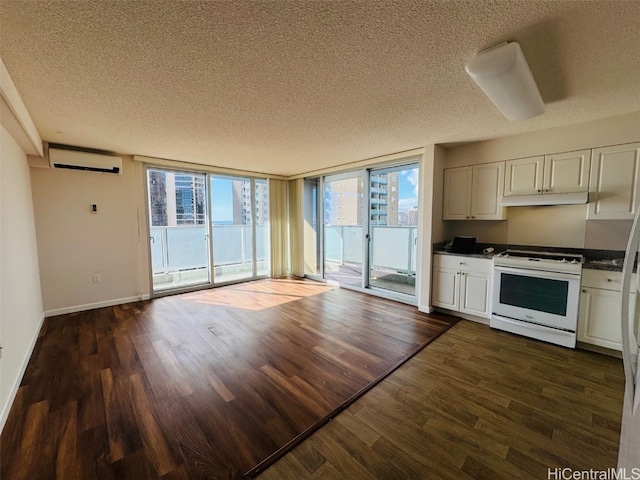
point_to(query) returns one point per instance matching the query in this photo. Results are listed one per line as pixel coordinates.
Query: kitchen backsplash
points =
(563, 226)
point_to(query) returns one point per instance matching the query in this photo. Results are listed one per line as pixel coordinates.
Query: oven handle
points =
(539, 273)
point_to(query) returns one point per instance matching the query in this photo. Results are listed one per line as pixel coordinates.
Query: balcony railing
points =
(181, 248)
(393, 248)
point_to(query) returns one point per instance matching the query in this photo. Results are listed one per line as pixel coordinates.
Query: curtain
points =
(278, 225)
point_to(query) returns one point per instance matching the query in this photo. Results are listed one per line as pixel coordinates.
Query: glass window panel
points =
(178, 230)
(393, 213)
(263, 249)
(311, 234)
(343, 205)
(231, 226)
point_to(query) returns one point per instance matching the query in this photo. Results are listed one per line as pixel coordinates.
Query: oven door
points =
(544, 298)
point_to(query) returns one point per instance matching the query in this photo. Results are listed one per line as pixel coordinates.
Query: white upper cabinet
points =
(567, 172)
(457, 193)
(474, 192)
(613, 188)
(562, 173)
(486, 192)
(524, 176)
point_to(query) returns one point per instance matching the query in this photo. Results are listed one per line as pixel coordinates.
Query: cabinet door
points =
(457, 193)
(486, 192)
(613, 187)
(446, 286)
(599, 319)
(524, 176)
(567, 172)
(475, 293)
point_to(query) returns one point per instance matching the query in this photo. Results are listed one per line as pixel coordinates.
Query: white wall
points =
(557, 226)
(21, 311)
(74, 244)
(430, 223)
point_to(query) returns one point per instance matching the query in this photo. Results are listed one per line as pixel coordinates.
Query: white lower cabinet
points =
(599, 320)
(462, 284)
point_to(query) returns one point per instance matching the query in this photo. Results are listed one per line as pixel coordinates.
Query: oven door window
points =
(533, 293)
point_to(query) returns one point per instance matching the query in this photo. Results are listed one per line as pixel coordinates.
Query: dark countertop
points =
(474, 255)
(609, 260)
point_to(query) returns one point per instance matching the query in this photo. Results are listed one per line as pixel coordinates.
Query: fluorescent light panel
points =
(504, 76)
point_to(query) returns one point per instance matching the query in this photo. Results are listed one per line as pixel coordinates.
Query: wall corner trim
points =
(10, 94)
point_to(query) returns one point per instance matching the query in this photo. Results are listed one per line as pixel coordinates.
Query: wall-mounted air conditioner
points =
(62, 156)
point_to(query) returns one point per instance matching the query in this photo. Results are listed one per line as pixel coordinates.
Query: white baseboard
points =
(6, 408)
(92, 306)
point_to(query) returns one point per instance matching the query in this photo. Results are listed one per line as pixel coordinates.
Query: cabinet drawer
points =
(603, 279)
(462, 262)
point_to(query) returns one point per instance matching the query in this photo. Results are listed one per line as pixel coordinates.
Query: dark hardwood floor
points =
(475, 404)
(201, 385)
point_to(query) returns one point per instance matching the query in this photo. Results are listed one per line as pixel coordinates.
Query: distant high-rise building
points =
(190, 199)
(176, 198)
(384, 198)
(408, 217)
(343, 202)
(243, 202)
(158, 198)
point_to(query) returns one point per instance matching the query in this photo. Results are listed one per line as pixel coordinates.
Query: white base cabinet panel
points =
(462, 284)
(599, 321)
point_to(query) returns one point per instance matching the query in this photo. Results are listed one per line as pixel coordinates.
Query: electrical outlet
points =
(96, 278)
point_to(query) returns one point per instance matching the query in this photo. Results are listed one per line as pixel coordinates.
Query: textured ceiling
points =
(286, 87)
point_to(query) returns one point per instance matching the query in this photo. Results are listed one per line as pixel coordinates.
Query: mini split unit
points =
(63, 156)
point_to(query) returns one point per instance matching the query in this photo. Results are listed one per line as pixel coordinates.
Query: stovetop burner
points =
(552, 256)
(553, 261)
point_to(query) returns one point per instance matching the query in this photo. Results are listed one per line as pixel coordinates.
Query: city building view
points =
(176, 198)
(392, 210)
(343, 201)
(180, 239)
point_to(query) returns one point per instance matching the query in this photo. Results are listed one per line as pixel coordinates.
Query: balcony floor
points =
(351, 274)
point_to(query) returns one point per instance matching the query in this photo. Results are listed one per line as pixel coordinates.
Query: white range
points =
(536, 294)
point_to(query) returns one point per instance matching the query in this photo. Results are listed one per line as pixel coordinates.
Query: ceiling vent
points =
(74, 158)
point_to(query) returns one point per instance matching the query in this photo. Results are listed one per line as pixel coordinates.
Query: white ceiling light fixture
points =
(504, 76)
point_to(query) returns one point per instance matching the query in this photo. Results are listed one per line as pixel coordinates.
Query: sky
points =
(221, 201)
(408, 190)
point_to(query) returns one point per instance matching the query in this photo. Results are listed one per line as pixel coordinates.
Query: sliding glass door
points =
(240, 227)
(344, 221)
(393, 211)
(178, 229)
(360, 228)
(312, 229)
(189, 240)
(262, 228)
